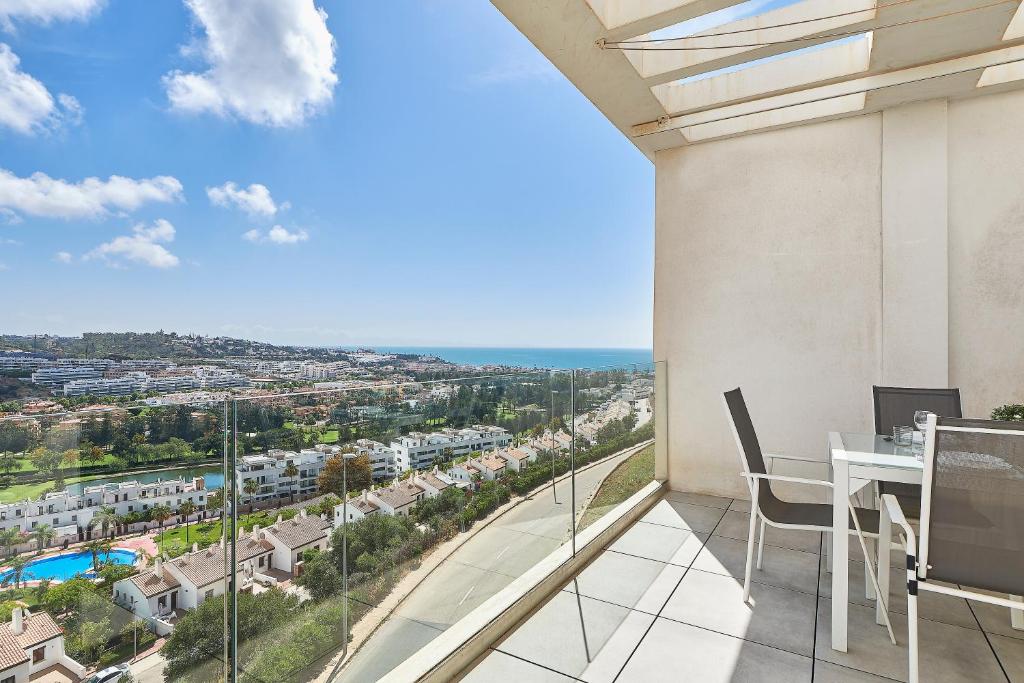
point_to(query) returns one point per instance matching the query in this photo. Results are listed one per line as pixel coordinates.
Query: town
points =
(132, 494)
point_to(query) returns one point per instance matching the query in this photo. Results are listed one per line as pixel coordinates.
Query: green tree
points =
(18, 564)
(186, 510)
(48, 463)
(291, 471)
(9, 462)
(97, 548)
(105, 518)
(9, 538)
(215, 501)
(320, 576)
(44, 535)
(160, 514)
(251, 486)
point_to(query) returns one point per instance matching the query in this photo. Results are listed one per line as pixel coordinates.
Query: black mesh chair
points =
(895, 407)
(774, 511)
(972, 518)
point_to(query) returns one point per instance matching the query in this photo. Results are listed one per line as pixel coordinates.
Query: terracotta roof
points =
(206, 566)
(39, 628)
(515, 454)
(434, 481)
(364, 506)
(299, 531)
(150, 584)
(399, 495)
(493, 462)
(11, 653)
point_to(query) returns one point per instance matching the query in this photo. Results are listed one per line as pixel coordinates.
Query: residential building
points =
(31, 644)
(492, 466)
(433, 482)
(292, 537)
(465, 471)
(384, 462)
(70, 514)
(268, 472)
(519, 457)
(55, 378)
(418, 450)
(359, 507)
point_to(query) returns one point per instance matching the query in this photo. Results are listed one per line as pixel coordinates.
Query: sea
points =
(552, 358)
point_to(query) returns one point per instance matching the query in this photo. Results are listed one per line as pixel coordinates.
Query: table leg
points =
(840, 552)
(1017, 615)
(884, 551)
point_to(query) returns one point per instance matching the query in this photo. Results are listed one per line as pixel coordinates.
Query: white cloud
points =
(531, 67)
(142, 246)
(45, 11)
(269, 62)
(276, 235)
(26, 106)
(254, 200)
(41, 195)
(62, 257)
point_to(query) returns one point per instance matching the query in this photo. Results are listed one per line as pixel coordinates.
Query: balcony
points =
(664, 602)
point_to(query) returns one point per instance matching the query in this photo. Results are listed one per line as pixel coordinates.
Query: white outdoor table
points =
(857, 460)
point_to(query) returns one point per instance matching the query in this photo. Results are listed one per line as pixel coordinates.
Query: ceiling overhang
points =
(670, 73)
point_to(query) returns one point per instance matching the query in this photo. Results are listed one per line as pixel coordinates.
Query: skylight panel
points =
(728, 15)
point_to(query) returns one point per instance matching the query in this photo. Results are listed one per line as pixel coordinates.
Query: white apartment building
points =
(384, 462)
(418, 450)
(56, 377)
(268, 471)
(293, 537)
(70, 513)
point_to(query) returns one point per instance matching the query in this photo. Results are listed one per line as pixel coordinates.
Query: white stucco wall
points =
(791, 262)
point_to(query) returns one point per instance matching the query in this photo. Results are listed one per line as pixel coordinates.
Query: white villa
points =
(30, 644)
(70, 514)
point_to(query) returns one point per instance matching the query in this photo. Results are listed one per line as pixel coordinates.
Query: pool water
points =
(69, 565)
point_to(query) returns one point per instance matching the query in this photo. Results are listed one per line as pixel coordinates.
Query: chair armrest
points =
(892, 506)
(800, 458)
(783, 477)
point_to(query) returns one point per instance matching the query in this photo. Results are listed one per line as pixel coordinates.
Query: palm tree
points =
(290, 471)
(9, 538)
(97, 548)
(186, 509)
(104, 519)
(18, 569)
(161, 513)
(250, 487)
(44, 535)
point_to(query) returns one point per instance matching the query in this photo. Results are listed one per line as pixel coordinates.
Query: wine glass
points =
(921, 420)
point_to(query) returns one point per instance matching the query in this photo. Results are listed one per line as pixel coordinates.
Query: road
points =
(480, 568)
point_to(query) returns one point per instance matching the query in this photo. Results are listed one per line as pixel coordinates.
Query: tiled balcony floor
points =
(664, 602)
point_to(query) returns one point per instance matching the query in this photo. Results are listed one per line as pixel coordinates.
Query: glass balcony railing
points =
(309, 534)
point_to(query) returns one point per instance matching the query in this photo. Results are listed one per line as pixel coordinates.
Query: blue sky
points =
(440, 183)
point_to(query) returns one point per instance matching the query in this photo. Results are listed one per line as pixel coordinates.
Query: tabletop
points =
(874, 450)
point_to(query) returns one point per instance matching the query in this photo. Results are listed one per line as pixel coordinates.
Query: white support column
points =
(915, 269)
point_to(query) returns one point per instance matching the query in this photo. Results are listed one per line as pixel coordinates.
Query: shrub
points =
(1012, 411)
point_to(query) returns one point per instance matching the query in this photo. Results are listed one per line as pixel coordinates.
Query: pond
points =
(213, 476)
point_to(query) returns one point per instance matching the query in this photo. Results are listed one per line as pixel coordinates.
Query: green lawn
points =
(330, 436)
(208, 532)
(19, 492)
(626, 479)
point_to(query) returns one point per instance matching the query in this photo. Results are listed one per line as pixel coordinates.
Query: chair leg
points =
(1017, 615)
(912, 626)
(827, 538)
(884, 550)
(750, 547)
(760, 545)
(869, 588)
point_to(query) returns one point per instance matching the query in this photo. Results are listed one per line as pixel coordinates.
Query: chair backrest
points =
(895, 406)
(751, 456)
(972, 504)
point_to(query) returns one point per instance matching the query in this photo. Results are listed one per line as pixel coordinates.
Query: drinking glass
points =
(921, 420)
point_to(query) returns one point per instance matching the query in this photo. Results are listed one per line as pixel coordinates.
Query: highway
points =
(477, 570)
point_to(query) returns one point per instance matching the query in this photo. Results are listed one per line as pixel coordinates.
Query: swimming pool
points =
(69, 565)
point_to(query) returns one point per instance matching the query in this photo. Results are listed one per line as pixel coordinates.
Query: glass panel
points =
(98, 506)
(614, 426)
